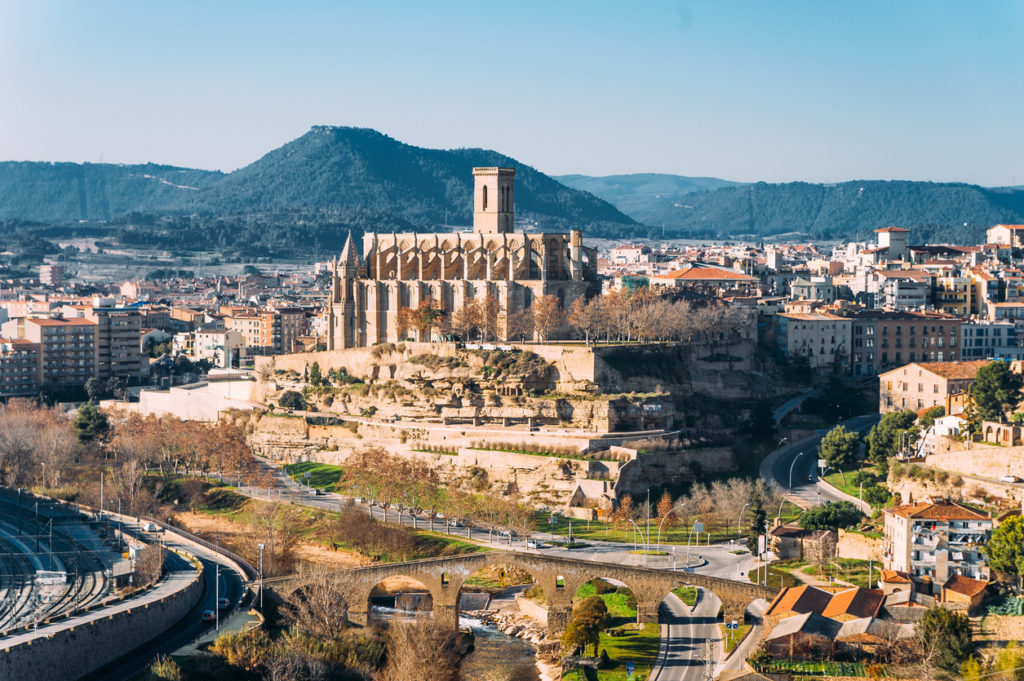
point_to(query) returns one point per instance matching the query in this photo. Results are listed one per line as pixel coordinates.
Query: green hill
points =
(936, 211)
(69, 192)
(349, 177)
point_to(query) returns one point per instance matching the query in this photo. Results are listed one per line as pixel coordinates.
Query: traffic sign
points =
(698, 527)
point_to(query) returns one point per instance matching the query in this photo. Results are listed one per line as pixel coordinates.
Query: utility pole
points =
(101, 497)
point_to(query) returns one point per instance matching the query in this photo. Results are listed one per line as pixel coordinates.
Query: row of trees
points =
(646, 315)
(643, 314)
(720, 506)
(408, 482)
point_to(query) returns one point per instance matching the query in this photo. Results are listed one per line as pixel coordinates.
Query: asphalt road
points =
(191, 626)
(801, 458)
(682, 655)
(716, 560)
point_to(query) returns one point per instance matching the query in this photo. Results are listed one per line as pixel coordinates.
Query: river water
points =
(496, 656)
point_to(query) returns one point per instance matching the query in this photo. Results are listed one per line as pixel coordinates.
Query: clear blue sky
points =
(759, 90)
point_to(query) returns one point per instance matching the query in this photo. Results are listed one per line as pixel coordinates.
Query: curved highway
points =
(190, 627)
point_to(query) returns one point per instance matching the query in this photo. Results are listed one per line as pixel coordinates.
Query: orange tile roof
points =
(968, 369)
(1012, 228)
(929, 510)
(60, 322)
(895, 577)
(855, 602)
(965, 585)
(800, 599)
(892, 229)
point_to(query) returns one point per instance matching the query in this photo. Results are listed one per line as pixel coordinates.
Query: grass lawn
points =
(619, 606)
(732, 637)
(776, 578)
(637, 646)
(321, 475)
(846, 569)
(687, 594)
(835, 478)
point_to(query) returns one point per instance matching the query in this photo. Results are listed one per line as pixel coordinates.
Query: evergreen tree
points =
(944, 638)
(839, 448)
(996, 389)
(90, 422)
(315, 377)
(885, 436)
(758, 521)
(1005, 548)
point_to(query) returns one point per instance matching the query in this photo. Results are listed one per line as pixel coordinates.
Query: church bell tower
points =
(493, 200)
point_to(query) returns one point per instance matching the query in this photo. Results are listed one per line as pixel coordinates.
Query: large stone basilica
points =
(455, 269)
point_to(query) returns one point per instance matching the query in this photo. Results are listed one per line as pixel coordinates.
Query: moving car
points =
(209, 616)
(223, 603)
(1009, 478)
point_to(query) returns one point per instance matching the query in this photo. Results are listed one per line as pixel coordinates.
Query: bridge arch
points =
(410, 595)
(559, 577)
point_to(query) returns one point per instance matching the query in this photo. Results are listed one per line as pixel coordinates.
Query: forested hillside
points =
(307, 192)
(936, 211)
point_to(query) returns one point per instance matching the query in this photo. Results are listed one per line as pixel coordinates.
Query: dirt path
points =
(239, 533)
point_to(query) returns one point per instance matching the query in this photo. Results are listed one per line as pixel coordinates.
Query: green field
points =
(321, 475)
(637, 646)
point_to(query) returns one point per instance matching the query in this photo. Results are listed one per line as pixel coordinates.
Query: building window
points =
(484, 201)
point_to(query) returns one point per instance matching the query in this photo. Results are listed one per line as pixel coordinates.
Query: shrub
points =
(602, 587)
(292, 400)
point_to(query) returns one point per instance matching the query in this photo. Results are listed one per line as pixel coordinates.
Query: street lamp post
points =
(739, 533)
(665, 517)
(647, 546)
(261, 576)
(795, 459)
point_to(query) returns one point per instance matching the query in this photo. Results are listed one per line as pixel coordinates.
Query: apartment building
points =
(67, 350)
(248, 324)
(51, 275)
(118, 330)
(918, 386)
(820, 337)
(220, 347)
(19, 367)
(1008, 235)
(935, 539)
(987, 339)
(884, 339)
(280, 329)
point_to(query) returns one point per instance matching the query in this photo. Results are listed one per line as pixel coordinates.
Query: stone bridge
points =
(558, 577)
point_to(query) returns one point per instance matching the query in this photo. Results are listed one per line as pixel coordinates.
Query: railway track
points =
(57, 538)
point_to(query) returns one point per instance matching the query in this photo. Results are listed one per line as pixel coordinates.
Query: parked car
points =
(1009, 478)
(532, 544)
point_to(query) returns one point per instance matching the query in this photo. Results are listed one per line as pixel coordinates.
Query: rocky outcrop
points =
(513, 624)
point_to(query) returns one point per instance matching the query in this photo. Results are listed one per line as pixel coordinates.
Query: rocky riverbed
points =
(518, 625)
